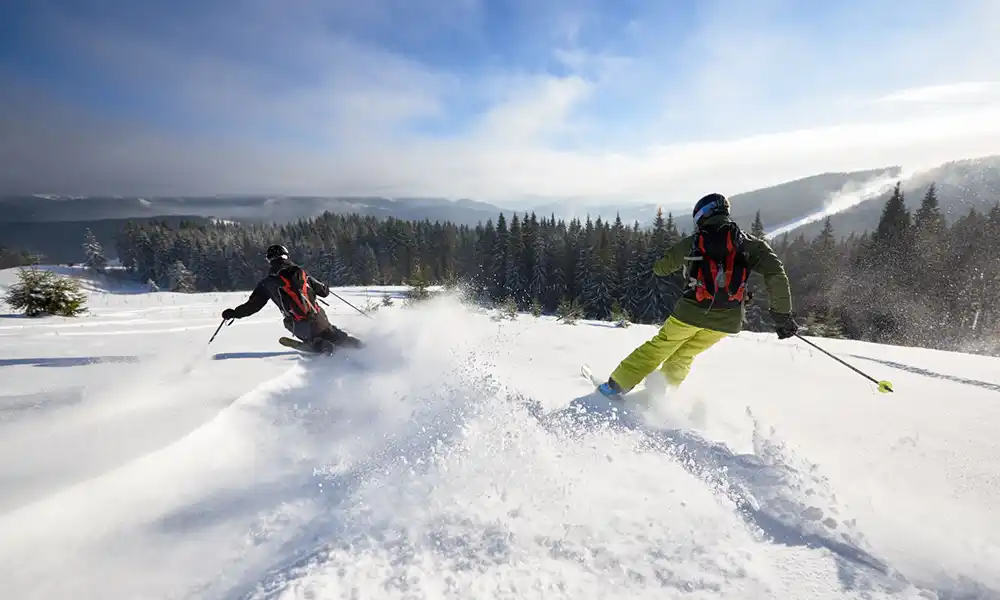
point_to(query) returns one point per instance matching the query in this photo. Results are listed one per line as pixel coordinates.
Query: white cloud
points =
(539, 105)
(732, 165)
(741, 103)
(954, 92)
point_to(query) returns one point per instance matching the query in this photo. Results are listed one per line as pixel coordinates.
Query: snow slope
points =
(458, 456)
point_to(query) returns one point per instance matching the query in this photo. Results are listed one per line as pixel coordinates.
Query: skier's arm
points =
(257, 300)
(764, 261)
(322, 290)
(673, 259)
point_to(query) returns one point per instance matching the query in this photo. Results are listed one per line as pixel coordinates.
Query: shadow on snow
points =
(767, 492)
(927, 373)
(66, 361)
(268, 354)
(746, 479)
(17, 403)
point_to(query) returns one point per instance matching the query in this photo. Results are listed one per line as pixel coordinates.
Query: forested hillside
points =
(59, 241)
(526, 259)
(914, 280)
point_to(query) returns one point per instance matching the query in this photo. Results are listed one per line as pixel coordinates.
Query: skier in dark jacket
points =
(294, 292)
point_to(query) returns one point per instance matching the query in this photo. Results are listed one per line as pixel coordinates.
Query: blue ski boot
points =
(610, 389)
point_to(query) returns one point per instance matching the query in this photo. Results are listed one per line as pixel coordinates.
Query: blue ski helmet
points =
(712, 204)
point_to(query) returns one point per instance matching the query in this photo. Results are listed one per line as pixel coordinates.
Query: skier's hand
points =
(784, 325)
(229, 313)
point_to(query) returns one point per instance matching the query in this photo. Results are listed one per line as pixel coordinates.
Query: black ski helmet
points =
(275, 252)
(712, 204)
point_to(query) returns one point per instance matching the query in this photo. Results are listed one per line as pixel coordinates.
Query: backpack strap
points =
(718, 267)
(295, 285)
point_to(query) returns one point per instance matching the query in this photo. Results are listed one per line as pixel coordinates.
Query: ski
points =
(297, 345)
(588, 374)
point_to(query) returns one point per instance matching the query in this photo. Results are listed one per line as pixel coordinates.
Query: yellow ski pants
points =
(672, 349)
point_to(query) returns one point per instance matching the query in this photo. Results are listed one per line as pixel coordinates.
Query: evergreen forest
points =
(915, 280)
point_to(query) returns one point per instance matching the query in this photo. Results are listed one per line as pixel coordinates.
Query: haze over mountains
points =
(961, 186)
(54, 226)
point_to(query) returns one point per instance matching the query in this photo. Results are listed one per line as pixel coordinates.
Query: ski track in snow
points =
(462, 457)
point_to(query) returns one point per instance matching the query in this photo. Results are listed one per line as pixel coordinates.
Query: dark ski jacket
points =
(269, 289)
(763, 260)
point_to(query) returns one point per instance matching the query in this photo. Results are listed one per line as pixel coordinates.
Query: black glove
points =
(784, 325)
(229, 313)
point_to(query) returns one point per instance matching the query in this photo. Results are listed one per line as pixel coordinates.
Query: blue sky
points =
(622, 100)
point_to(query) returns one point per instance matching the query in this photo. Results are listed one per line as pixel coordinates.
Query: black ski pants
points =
(320, 333)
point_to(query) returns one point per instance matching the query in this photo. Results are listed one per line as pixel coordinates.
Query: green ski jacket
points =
(763, 260)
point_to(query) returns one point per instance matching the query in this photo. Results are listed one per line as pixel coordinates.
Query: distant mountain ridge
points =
(961, 186)
(256, 208)
(37, 222)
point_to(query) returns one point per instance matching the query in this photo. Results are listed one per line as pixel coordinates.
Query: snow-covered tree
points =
(179, 278)
(39, 292)
(95, 259)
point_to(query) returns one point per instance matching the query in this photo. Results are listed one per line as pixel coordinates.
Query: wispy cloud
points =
(953, 92)
(586, 99)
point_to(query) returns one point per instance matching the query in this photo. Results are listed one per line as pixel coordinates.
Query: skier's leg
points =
(338, 337)
(647, 357)
(677, 367)
(300, 329)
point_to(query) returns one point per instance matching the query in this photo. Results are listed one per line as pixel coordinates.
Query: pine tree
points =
(94, 253)
(539, 274)
(498, 277)
(180, 279)
(418, 291)
(530, 257)
(483, 271)
(656, 294)
(620, 261)
(928, 217)
(585, 273)
(39, 292)
(366, 268)
(671, 235)
(597, 297)
(331, 269)
(890, 235)
(557, 288)
(514, 286)
(826, 241)
(757, 228)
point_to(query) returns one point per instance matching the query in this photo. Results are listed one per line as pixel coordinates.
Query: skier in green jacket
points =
(717, 260)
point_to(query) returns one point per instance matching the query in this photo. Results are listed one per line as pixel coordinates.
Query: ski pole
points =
(334, 294)
(884, 386)
(224, 322)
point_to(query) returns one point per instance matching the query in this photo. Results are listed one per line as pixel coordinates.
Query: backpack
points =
(718, 267)
(295, 287)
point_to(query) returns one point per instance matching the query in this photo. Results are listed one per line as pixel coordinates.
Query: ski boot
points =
(611, 389)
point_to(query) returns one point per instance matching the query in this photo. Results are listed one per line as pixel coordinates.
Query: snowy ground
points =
(138, 462)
